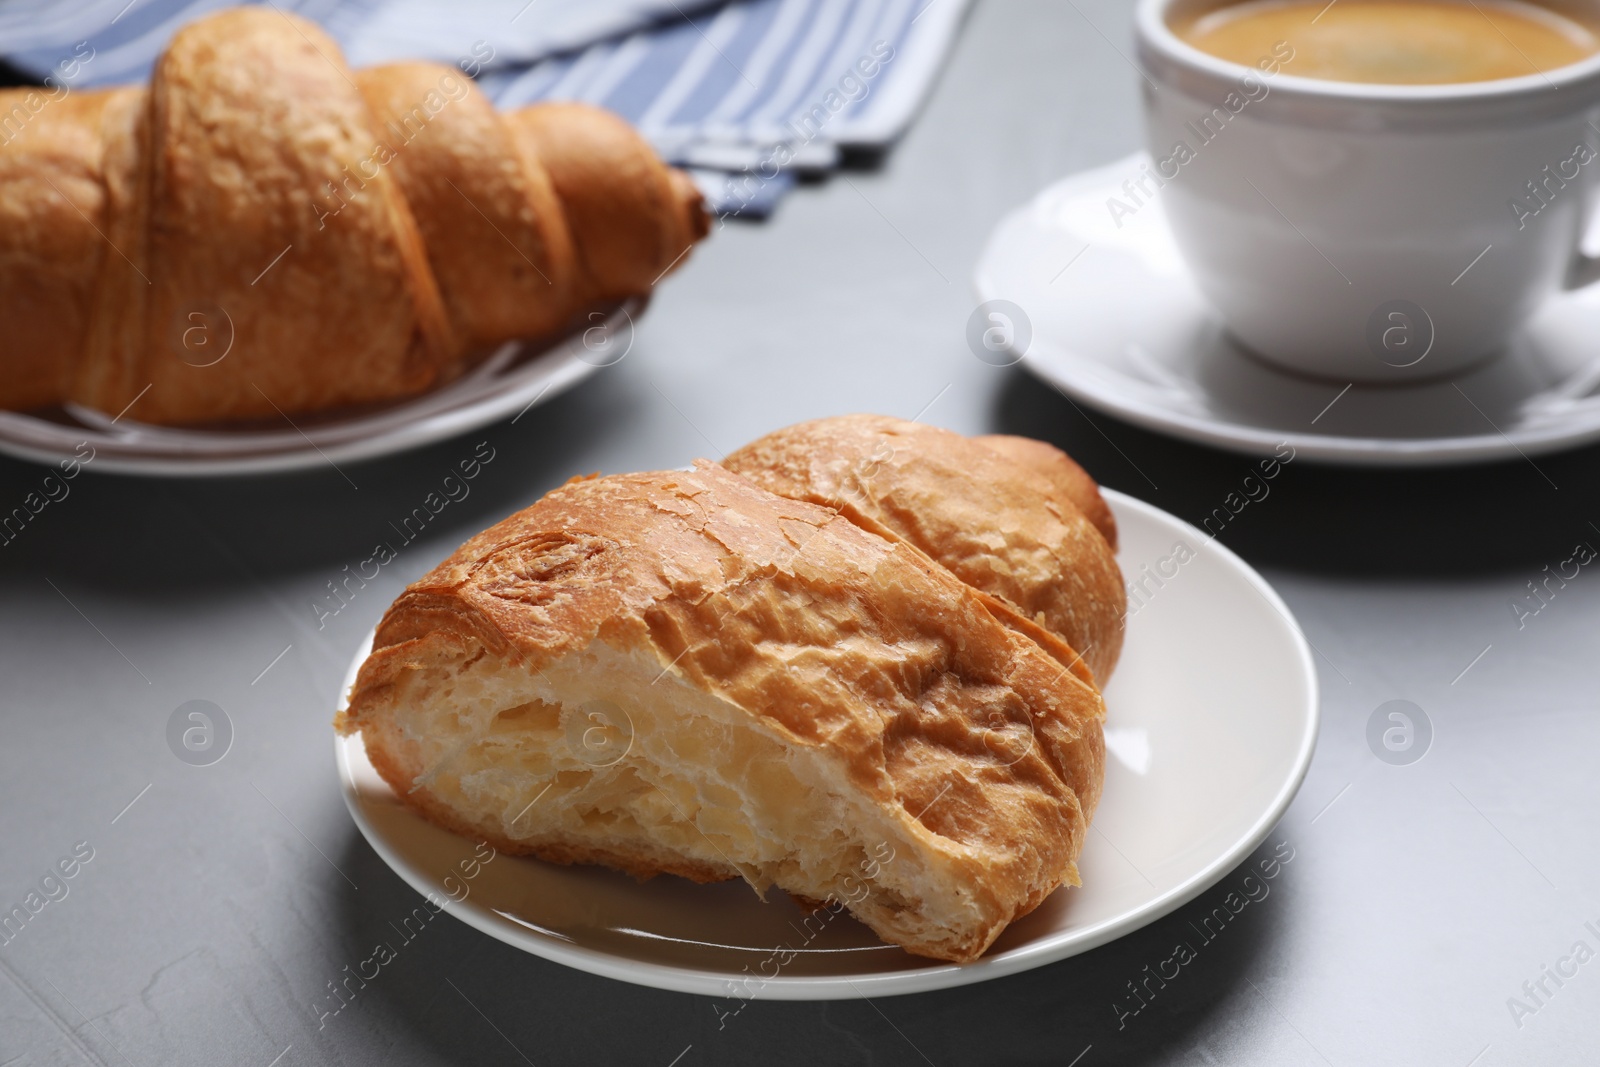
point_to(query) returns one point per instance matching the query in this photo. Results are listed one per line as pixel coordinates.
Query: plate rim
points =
(429, 427)
(897, 983)
(1045, 360)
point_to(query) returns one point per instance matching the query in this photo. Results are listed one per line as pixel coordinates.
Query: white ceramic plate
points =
(511, 381)
(1118, 323)
(1212, 718)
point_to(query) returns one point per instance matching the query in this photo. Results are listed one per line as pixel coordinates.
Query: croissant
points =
(683, 672)
(263, 231)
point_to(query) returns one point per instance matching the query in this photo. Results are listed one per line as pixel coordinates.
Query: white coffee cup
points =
(1369, 233)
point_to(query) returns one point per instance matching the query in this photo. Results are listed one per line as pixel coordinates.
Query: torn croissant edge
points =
(986, 846)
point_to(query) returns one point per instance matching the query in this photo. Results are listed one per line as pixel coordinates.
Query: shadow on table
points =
(466, 997)
(167, 534)
(1339, 520)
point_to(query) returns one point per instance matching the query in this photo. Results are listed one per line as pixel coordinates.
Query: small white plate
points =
(1118, 323)
(512, 380)
(1212, 720)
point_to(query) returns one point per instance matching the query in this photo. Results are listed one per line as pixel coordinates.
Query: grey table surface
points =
(213, 913)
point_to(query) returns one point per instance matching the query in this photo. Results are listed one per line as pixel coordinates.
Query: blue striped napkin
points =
(743, 94)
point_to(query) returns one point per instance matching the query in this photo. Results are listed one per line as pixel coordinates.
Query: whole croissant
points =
(264, 231)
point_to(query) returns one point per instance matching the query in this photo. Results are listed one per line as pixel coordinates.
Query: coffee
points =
(1394, 42)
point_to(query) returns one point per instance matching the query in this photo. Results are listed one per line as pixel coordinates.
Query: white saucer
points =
(1212, 719)
(513, 379)
(1124, 329)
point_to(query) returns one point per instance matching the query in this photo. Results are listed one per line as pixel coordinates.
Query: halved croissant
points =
(265, 231)
(681, 672)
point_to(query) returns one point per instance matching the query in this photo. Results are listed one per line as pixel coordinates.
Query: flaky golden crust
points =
(494, 230)
(632, 217)
(348, 314)
(994, 522)
(265, 232)
(1063, 475)
(852, 649)
(52, 199)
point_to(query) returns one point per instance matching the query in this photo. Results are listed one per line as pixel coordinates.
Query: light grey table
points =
(220, 901)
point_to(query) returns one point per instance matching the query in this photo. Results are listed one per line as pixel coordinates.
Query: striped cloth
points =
(744, 93)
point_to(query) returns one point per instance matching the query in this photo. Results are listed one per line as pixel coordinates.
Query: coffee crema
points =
(1394, 42)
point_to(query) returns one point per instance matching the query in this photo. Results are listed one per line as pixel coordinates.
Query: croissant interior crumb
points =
(678, 781)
